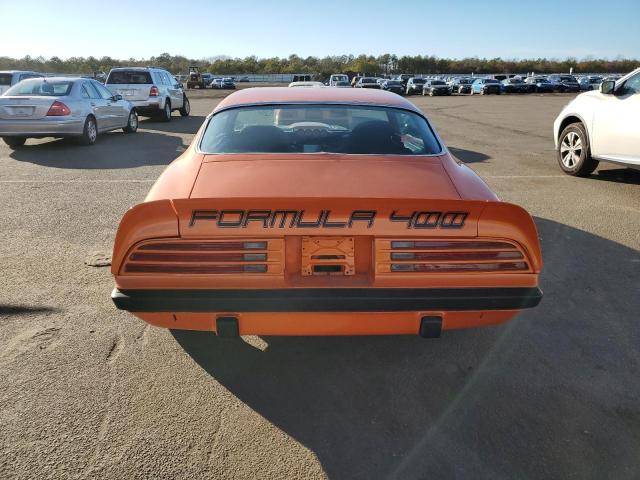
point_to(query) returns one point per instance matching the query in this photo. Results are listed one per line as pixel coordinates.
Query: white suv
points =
(153, 91)
(601, 125)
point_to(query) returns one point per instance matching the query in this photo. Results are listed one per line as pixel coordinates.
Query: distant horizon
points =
(267, 29)
(213, 58)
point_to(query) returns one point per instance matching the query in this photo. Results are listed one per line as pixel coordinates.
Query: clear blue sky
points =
(445, 28)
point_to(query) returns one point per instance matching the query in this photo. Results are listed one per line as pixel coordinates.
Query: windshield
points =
(393, 83)
(437, 82)
(319, 128)
(5, 78)
(41, 87)
(128, 77)
(419, 80)
(568, 78)
(491, 80)
(369, 80)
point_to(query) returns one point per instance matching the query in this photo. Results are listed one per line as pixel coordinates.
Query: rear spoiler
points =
(277, 217)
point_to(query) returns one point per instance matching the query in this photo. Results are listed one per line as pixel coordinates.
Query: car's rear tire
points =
(574, 153)
(89, 132)
(14, 142)
(132, 122)
(186, 107)
(165, 116)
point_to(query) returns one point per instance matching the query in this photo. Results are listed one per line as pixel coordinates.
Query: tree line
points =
(382, 64)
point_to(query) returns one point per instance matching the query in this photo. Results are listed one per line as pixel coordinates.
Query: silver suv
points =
(8, 78)
(153, 91)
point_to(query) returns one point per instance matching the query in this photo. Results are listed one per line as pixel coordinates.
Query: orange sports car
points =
(323, 211)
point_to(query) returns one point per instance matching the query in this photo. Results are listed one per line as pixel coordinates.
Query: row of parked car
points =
(35, 105)
(494, 84)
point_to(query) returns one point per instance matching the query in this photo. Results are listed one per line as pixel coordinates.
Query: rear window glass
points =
(568, 78)
(128, 77)
(41, 87)
(319, 129)
(419, 80)
(5, 78)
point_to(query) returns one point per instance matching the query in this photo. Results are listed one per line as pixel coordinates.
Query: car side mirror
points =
(117, 97)
(607, 87)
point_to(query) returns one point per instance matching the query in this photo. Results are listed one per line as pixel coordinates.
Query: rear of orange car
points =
(317, 243)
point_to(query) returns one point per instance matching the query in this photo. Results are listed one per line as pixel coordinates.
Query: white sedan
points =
(601, 125)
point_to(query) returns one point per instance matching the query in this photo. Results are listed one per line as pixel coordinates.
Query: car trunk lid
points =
(26, 108)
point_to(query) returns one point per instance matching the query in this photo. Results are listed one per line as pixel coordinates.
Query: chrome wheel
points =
(92, 131)
(571, 149)
(187, 106)
(133, 121)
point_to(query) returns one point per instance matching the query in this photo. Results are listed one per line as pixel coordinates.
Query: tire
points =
(89, 132)
(165, 116)
(186, 107)
(132, 122)
(574, 153)
(14, 142)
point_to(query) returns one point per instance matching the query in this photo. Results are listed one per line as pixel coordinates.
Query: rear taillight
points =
(58, 109)
(154, 92)
(206, 257)
(449, 256)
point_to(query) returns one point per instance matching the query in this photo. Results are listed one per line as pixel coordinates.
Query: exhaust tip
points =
(431, 327)
(227, 327)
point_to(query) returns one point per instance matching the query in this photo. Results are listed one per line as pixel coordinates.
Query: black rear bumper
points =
(327, 299)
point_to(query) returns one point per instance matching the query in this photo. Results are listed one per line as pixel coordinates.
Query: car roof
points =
(68, 79)
(19, 71)
(280, 95)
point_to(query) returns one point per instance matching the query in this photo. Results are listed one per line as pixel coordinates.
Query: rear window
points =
(568, 78)
(128, 77)
(5, 78)
(319, 129)
(419, 80)
(41, 87)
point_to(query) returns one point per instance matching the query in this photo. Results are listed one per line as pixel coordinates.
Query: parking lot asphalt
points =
(87, 391)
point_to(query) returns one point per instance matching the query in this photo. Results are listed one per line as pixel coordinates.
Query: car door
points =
(616, 123)
(118, 110)
(98, 105)
(173, 89)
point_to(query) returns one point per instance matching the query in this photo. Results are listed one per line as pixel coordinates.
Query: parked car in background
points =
(153, 91)
(414, 86)
(243, 79)
(486, 86)
(404, 78)
(368, 82)
(9, 78)
(394, 86)
(355, 80)
(539, 84)
(514, 85)
(336, 78)
(62, 107)
(564, 83)
(600, 125)
(227, 83)
(436, 87)
(207, 78)
(590, 82)
(461, 85)
(216, 83)
(306, 84)
(342, 85)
